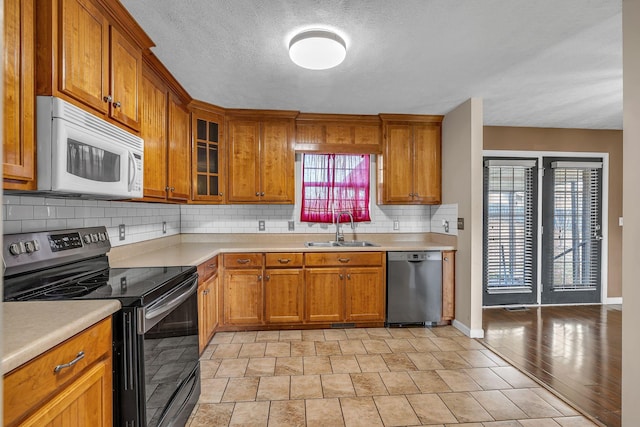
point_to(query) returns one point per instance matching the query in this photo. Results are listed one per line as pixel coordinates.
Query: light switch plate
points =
(460, 223)
(291, 225)
(261, 226)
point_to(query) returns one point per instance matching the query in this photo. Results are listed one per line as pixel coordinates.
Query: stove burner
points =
(67, 291)
(97, 279)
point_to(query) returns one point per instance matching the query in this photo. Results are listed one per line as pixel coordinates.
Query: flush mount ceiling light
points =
(317, 49)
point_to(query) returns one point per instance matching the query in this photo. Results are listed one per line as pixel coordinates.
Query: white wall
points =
(462, 184)
(631, 213)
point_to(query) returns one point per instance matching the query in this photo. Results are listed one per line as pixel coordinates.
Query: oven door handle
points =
(154, 313)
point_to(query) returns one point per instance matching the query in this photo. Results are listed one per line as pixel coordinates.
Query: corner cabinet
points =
(37, 395)
(165, 129)
(208, 165)
(18, 139)
(86, 58)
(410, 167)
(207, 301)
(261, 157)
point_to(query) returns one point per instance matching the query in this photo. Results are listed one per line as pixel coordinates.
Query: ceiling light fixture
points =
(317, 49)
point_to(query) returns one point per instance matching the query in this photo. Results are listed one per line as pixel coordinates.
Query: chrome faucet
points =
(339, 233)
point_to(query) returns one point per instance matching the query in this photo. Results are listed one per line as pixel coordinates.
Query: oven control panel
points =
(33, 250)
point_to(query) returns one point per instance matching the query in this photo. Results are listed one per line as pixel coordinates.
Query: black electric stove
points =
(155, 334)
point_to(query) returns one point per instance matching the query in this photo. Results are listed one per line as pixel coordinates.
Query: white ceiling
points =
(542, 63)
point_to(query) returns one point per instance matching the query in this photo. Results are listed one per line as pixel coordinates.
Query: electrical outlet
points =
(396, 224)
(291, 225)
(164, 227)
(121, 232)
(460, 223)
(261, 226)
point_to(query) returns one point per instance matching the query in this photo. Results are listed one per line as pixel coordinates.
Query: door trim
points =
(604, 259)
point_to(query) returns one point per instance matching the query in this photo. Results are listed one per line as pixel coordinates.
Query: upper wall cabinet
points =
(261, 156)
(18, 143)
(409, 169)
(338, 133)
(90, 53)
(208, 162)
(165, 130)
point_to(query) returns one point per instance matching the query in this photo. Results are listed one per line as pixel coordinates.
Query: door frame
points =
(604, 259)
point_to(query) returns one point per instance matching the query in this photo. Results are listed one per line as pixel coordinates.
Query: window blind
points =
(509, 226)
(576, 227)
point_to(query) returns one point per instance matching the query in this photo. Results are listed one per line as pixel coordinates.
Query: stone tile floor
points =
(367, 377)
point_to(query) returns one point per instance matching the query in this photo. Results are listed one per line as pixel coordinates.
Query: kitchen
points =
(144, 222)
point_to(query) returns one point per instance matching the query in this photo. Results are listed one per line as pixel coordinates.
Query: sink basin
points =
(334, 244)
(357, 244)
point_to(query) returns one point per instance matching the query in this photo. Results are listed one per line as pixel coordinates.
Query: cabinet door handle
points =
(205, 292)
(258, 193)
(167, 188)
(410, 194)
(344, 259)
(267, 277)
(284, 260)
(243, 261)
(446, 258)
(341, 276)
(349, 276)
(78, 358)
(173, 188)
(117, 104)
(259, 277)
(107, 98)
(262, 194)
(220, 194)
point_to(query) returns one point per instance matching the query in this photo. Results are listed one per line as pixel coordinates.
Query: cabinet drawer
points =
(285, 259)
(207, 269)
(242, 260)
(28, 386)
(343, 258)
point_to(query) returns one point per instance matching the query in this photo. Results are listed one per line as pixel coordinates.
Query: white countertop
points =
(194, 249)
(30, 328)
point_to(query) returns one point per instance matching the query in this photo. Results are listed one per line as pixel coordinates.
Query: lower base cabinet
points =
(81, 394)
(364, 290)
(283, 295)
(324, 295)
(243, 296)
(207, 301)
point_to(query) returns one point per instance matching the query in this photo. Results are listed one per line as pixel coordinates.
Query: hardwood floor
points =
(576, 350)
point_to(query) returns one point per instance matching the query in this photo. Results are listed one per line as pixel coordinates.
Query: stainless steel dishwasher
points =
(414, 288)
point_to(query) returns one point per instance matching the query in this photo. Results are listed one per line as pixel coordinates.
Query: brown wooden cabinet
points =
(207, 301)
(18, 143)
(284, 288)
(242, 284)
(36, 395)
(344, 286)
(409, 169)
(260, 156)
(338, 133)
(208, 166)
(90, 53)
(165, 129)
(448, 285)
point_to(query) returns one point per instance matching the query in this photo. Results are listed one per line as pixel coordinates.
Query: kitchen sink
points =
(334, 244)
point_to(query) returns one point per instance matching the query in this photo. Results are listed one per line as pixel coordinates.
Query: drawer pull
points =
(284, 260)
(446, 258)
(211, 266)
(344, 259)
(244, 261)
(78, 358)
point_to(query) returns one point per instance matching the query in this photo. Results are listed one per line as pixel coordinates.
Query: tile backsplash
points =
(143, 221)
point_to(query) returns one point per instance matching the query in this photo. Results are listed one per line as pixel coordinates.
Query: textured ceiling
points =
(542, 63)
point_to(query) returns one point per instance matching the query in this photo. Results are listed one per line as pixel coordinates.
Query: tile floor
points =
(367, 377)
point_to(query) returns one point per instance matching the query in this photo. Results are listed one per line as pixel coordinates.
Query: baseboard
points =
(613, 300)
(471, 333)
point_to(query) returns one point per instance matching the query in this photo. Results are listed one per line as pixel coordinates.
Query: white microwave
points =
(82, 155)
